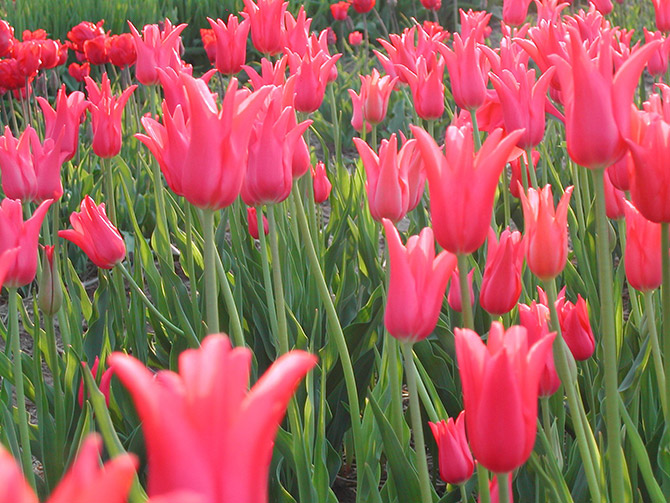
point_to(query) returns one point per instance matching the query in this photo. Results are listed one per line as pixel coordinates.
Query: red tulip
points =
(416, 286)
(642, 257)
(597, 106)
(205, 432)
(30, 169)
(427, 87)
(49, 53)
(467, 72)
(231, 44)
(462, 185)
(363, 6)
(79, 72)
(376, 91)
(274, 137)
(662, 9)
(322, 185)
(575, 326)
(252, 222)
(267, 24)
(454, 296)
(515, 11)
(500, 389)
(84, 31)
(27, 55)
(535, 319)
(95, 50)
(65, 119)
(105, 381)
(6, 38)
(501, 282)
(339, 10)
(121, 50)
(546, 231)
(95, 234)
(85, 481)
(211, 145)
(355, 38)
(155, 49)
(432, 4)
(456, 463)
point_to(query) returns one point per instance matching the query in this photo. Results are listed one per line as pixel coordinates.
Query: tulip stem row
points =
(565, 366)
(656, 350)
(59, 403)
(280, 302)
(665, 261)
(531, 167)
(24, 434)
(608, 329)
(267, 280)
(147, 302)
(503, 487)
(210, 272)
(466, 305)
(335, 327)
(236, 324)
(417, 424)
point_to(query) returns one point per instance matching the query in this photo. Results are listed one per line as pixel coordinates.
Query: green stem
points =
(336, 330)
(464, 493)
(417, 424)
(282, 335)
(503, 487)
(466, 306)
(531, 168)
(567, 371)
(475, 130)
(59, 397)
(483, 484)
(336, 125)
(665, 292)
(24, 434)
(505, 197)
(147, 302)
(236, 325)
(110, 199)
(431, 128)
(608, 329)
(391, 355)
(212, 296)
(373, 137)
(272, 311)
(656, 350)
(190, 263)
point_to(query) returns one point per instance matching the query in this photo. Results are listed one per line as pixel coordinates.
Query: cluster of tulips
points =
(236, 145)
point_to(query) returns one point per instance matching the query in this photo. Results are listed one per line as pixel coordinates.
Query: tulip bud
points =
(252, 222)
(454, 297)
(339, 10)
(50, 292)
(322, 185)
(642, 257)
(355, 38)
(456, 464)
(501, 282)
(575, 326)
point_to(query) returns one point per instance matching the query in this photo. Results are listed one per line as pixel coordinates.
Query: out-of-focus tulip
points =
(515, 12)
(79, 72)
(95, 234)
(296, 32)
(456, 463)
(545, 231)
(15, 233)
(274, 137)
(211, 145)
(363, 6)
(30, 169)
(468, 78)
(658, 63)
(501, 282)
(642, 257)
(355, 38)
(322, 185)
(267, 24)
(575, 326)
(394, 180)
(121, 50)
(105, 381)
(84, 31)
(427, 87)
(619, 172)
(205, 432)
(416, 286)
(252, 222)
(95, 50)
(597, 106)
(339, 10)
(49, 53)
(454, 296)
(155, 49)
(662, 9)
(312, 72)
(65, 119)
(85, 481)
(431, 4)
(614, 200)
(377, 91)
(357, 115)
(462, 184)
(27, 55)
(271, 74)
(6, 38)
(209, 43)
(523, 102)
(50, 292)
(494, 492)
(106, 111)
(500, 388)
(475, 23)
(231, 44)
(535, 319)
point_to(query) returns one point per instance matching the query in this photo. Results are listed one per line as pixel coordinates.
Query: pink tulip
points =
(206, 433)
(267, 24)
(454, 296)
(501, 282)
(456, 463)
(467, 72)
(231, 44)
(535, 319)
(427, 87)
(377, 91)
(65, 118)
(322, 185)
(155, 49)
(642, 257)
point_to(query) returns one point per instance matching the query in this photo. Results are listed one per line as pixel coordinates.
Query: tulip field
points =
(390, 251)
